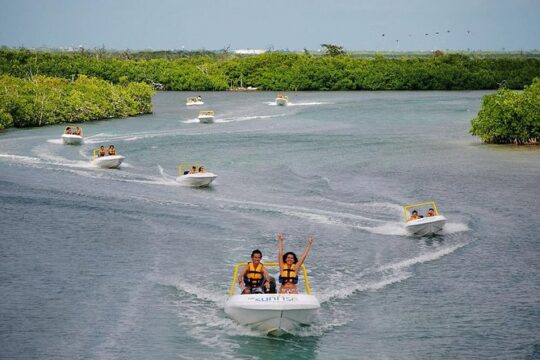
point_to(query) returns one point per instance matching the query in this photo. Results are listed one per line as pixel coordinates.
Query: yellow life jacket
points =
(254, 275)
(288, 274)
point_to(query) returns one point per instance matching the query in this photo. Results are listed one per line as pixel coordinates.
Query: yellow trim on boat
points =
(187, 166)
(73, 129)
(267, 264)
(406, 208)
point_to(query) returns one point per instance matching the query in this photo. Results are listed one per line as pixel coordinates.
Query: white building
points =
(249, 51)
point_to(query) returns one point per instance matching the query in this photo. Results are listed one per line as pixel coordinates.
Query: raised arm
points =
(279, 238)
(304, 255)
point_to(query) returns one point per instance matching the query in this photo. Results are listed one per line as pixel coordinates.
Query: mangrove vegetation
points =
(335, 70)
(42, 100)
(509, 117)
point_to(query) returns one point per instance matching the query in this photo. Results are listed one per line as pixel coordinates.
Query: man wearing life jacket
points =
(289, 266)
(101, 151)
(430, 212)
(112, 150)
(254, 275)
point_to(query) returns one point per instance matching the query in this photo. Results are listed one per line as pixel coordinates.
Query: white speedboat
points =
(423, 219)
(272, 314)
(282, 100)
(194, 175)
(72, 137)
(194, 100)
(107, 161)
(206, 117)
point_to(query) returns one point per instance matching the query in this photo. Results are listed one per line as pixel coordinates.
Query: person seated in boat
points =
(112, 150)
(414, 215)
(289, 265)
(430, 212)
(77, 131)
(199, 98)
(252, 278)
(68, 131)
(101, 151)
(193, 170)
(202, 169)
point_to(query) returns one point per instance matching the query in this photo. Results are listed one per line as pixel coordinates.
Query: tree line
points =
(42, 100)
(282, 71)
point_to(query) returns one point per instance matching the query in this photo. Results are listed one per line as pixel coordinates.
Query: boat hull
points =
(196, 180)
(426, 226)
(194, 103)
(108, 162)
(273, 313)
(281, 102)
(206, 119)
(70, 139)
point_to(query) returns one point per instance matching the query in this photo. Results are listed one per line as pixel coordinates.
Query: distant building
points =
(249, 51)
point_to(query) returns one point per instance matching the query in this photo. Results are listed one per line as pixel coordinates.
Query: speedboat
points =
(194, 177)
(282, 100)
(107, 161)
(72, 138)
(273, 314)
(194, 100)
(206, 117)
(428, 223)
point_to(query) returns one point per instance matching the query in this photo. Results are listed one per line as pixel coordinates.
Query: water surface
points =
(127, 264)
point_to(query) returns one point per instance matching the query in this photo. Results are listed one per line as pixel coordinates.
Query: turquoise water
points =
(127, 264)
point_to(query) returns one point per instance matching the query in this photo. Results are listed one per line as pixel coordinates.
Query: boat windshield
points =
(184, 169)
(270, 265)
(422, 210)
(206, 113)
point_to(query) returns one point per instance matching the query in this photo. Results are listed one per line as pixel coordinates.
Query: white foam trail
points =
(190, 121)
(307, 103)
(84, 155)
(421, 258)
(55, 141)
(451, 228)
(372, 285)
(386, 229)
(22, 159)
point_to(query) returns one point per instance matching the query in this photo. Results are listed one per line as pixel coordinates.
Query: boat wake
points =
(202, 309)
(307, 103)
(311, 103)
(335, 310)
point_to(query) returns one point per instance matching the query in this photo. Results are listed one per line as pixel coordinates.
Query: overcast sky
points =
(277, 24)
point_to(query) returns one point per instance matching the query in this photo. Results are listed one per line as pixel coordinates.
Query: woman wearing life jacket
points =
(254, 275)
(289, 265)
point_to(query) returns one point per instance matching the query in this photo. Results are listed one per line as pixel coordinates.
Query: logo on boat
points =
(274, 298)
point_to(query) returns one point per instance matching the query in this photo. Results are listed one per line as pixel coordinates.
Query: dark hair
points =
(256, 251)
(431, 209)
(414, 211)
(290, 253)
